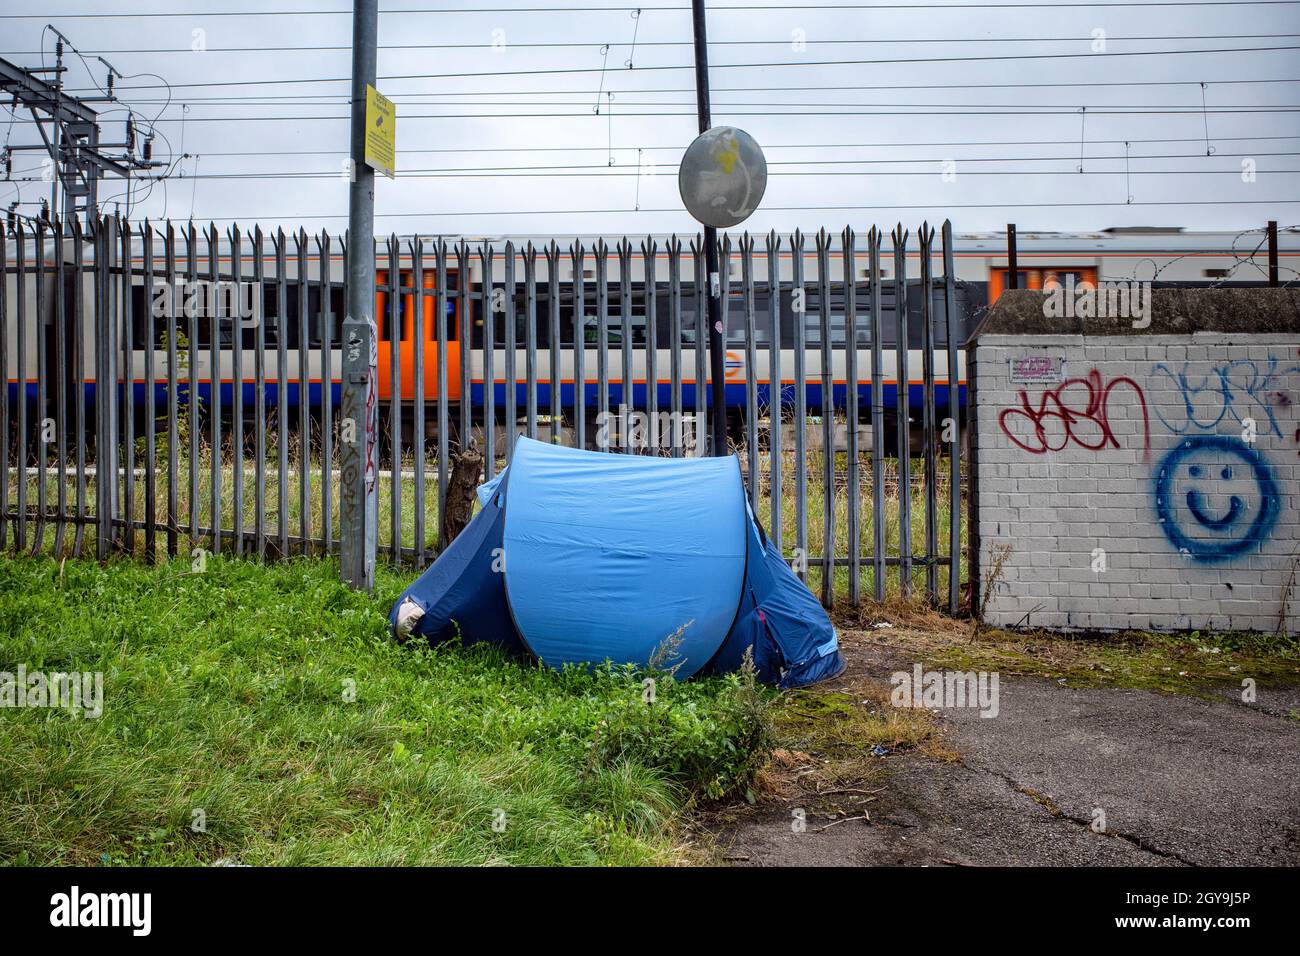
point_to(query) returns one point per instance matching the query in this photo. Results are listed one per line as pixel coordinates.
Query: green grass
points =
(226, 691)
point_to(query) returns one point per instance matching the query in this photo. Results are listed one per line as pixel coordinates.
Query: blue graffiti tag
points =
(1215, 498)
(1241, 388)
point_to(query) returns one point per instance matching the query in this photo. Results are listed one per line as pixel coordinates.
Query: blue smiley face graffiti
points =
(1215, 498)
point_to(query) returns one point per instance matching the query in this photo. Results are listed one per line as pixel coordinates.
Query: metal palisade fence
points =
(174, 389)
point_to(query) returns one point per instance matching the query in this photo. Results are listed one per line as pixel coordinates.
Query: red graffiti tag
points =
(1082, 417)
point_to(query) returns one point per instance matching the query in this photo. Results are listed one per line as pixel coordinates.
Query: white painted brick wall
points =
(1055, 507)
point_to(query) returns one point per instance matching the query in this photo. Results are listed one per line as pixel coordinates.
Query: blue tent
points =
(582, 557)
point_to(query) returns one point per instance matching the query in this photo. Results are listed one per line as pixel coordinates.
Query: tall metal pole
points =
(1013, 266)
(359, 414)
(717, 343)
(1272, 253)
(57, 153)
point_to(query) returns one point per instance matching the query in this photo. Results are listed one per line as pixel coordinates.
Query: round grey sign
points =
(722, 176)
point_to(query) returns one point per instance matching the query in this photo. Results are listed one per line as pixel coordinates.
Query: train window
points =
(813, 328)
(812, 317)
(237, 309)
(543, 318)
(613, 320)
(736, 325)
(287, 324)
(812, 325)
(690, 318)
(141, 306)
(689, 306)
(313, 316)
(292, 325)
(637, 327)
(270, 316)
(613, 316)
(614, 329)
(338, 308)
(568, 310)
(591, 329)
(736, 320)
(450, 327)
(520, 322)
(334, 308)
(198, 328)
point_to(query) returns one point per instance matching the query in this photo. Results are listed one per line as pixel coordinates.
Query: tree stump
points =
(466, 470)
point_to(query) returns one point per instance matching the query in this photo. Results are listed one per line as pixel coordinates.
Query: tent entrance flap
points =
(462, 595)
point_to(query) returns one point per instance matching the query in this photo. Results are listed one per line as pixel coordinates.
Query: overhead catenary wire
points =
(812, 207)
(613, 174)
(578, 44)
(631, 106)
(666, 168)
(412, 151)
(1060, 111)
(716, 8)
(947, 106)
(264, 217)
(339, 98)
(772, 147)
(596, 171)
(763, 65)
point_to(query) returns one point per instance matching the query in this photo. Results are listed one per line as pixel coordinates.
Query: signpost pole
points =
(359, 417)
(717, 343)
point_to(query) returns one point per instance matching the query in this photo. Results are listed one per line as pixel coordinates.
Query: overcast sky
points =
(550, 62)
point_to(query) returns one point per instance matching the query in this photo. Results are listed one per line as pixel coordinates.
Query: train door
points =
(1040, 277)
(407, 333)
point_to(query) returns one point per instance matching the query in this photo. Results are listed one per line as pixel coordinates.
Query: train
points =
(286, 296)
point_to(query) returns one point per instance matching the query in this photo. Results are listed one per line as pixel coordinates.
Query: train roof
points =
(1128, 240)
(1142, 240)
(1120, 240)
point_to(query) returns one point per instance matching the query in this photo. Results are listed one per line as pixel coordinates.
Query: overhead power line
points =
(337, 99)
(245, 82)
(606, 172)
(340, 99)
(1061, 111)
(800, 208)
(659, 169)
(766, 147)
(155, 14)
(344, 47)
(947, 107)
(662, 169)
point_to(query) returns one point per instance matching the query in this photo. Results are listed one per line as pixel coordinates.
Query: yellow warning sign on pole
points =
(381, 133)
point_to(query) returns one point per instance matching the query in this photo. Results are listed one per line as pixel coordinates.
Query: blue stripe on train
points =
(227, 390)
(735, 393)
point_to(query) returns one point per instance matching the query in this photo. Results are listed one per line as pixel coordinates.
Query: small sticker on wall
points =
(1037, 369)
